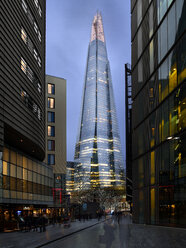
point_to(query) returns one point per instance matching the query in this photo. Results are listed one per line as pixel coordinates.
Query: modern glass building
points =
(159, 111)
(98, 151)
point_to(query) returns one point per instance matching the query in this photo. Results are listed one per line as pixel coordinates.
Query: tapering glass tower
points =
(98, 151)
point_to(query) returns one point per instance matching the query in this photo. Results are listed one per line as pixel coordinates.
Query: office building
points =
(159, 111)
(98, 151)
(56, 134)
(128, 132)
(70, 177)
(25, 182)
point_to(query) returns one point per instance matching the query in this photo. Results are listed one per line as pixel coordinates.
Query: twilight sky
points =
(68, 28)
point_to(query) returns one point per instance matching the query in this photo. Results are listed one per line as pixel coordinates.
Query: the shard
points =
(98, 149)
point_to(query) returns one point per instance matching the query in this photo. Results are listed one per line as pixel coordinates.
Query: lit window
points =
(39, 61)
(39, 36)
(35, 54)
(23, 65)
(51, 131)
(23, 35)
(39, 113)
(36, 3)
(30, 74)
(34, 107)
(39, 87)
(35, 27)
(51, 116)
(40, 11)
(51, 89)
(51, 102)
(51, 145)
(51, 159)
(24, 5)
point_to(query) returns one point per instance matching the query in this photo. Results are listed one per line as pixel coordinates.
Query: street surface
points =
(107, 234)
(98, 234)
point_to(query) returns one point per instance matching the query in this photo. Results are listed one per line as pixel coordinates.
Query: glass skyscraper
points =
(98, 151)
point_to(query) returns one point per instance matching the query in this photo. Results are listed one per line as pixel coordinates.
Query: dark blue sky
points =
(68, 33)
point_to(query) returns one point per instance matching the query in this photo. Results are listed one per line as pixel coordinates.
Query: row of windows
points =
(38, 7)
(31, 19)
(51, 159)
(51, 89)
(165, 123)
(30, 46)
(19, 160)
(162, 5)
(162, 165)
(30, 74)
(169, 75)
(31, 104)
(51, 102)
(168, 32)
(16, 184)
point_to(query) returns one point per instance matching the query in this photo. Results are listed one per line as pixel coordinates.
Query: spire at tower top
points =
(97, 28)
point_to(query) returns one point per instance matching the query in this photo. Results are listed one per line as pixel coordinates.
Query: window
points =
(51, 145)
(31, 18)
(151, 53)
(51, 89)
(51, 131)
(151, 21)
(23, 65)
(23, 35)
(139, 36)
(51, 117)
(36, 3)
(139, 12)
(29, 102)
(51, 159)
(171, 26)
(51, 102)
(163, 38)
(24, 5)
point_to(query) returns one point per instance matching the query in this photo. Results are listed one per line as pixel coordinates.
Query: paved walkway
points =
(37, 239)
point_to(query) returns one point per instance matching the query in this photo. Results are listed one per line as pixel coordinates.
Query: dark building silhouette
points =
(24, 180)
(159, 111)
(128, 133)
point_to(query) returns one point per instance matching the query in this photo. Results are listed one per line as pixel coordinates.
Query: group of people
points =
(29, 223)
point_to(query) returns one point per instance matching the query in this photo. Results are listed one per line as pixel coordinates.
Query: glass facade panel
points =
(171, 26)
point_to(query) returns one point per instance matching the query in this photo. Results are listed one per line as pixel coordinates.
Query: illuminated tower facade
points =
(98, 151)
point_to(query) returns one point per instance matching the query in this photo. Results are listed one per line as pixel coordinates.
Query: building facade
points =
(159, 111)
(98, 151)
(70, 177)
(24, 179)
(56, 134)
(128, 133)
